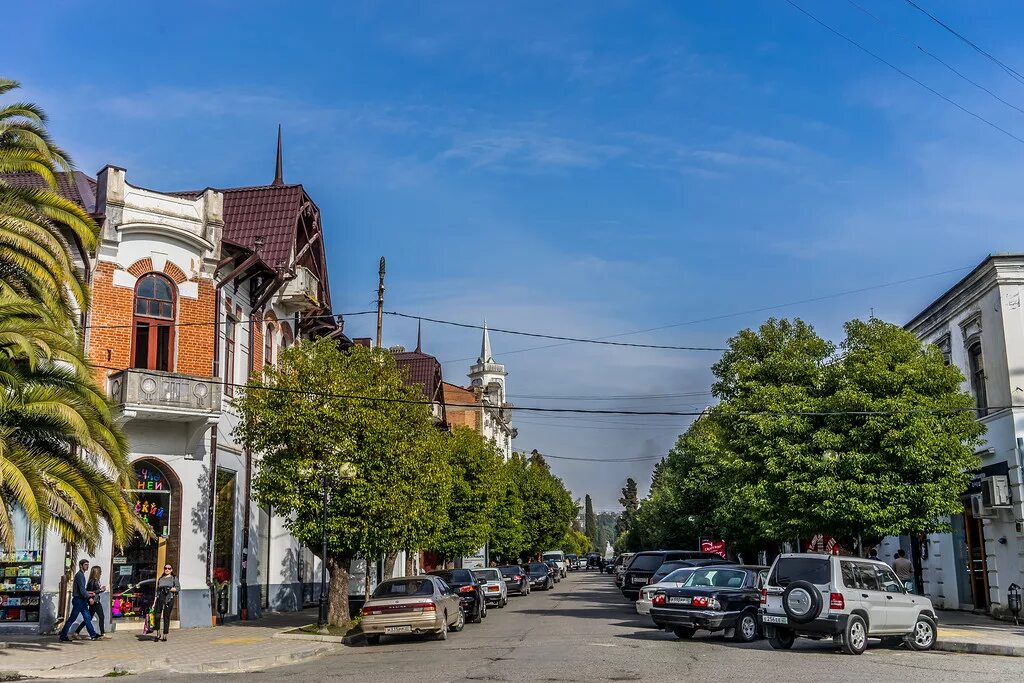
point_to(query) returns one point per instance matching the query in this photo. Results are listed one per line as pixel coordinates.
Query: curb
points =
(313, 637)
(968, 647)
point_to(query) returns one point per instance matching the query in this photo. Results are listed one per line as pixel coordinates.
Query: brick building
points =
(192, 292)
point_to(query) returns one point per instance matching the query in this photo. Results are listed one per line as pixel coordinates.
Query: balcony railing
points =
(164, 395)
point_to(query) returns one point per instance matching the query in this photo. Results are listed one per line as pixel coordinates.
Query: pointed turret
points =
(485, 348)
(419, 336)
(279, 168)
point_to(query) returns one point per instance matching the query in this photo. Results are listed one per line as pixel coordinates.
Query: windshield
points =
(790, 569)
(537, 569)
(511, 571)
(552, 556)
(720, 578)
(664, 570)
(456, 576)
(646, 563)
(403, 588)
(679, 575)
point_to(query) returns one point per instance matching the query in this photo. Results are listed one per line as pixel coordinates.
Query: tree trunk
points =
(337, 589)
(368, 578)
(410, 562)
(389, 564)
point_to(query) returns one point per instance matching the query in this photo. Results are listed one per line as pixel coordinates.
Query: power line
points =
(1002, 65)
(935, 57)
(620, 460)
(762, 309)
(903, 73)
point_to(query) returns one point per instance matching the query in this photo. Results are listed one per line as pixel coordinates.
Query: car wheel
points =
(855, 635)
(483, 610)
(746, 628)
(443, 633)
(460, 623)
(781, 638)
(923, 636)
(802, 602)
(479, 616)
(684, 632)
(373, 639)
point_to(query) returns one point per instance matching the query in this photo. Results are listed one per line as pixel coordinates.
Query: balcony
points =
(168, 397)
(302, 291)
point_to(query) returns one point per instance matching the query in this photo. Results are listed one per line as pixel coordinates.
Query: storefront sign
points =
(996, 469)
(716, 547)
(125, 569)
(120, 560)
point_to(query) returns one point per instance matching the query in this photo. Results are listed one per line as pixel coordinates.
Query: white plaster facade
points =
(487, 380)
(982, 311)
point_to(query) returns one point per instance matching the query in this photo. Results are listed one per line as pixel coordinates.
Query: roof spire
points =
(419, 336)
(485, 347)
(278, 170)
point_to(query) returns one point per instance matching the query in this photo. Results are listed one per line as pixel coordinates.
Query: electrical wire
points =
(1013, 73)
(938, 59)
(903, 73)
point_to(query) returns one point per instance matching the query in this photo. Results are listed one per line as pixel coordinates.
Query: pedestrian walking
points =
(166, 591)
(904, 569)
(96, 588)
(80, 595)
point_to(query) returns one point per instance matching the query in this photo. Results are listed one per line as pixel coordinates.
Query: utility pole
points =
(380, 304)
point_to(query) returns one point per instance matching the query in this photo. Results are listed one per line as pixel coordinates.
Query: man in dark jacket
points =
(80, 604)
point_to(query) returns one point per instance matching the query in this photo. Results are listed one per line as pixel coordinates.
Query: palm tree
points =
(35, 260)
(63, 459)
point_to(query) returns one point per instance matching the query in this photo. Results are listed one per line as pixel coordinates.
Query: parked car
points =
(494, 589)
(846, 598)
(540, 576)
(469, 590)
(620, 565)
(556, 571)
(517, 580)
(593, 561)
(571, 561)
(714, 598)
(558, 557)
(410, 605)
(676, 579)
(643, 566)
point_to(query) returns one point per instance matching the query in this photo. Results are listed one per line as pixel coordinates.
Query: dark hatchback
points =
(540, 576)
(471, 598)
(715, 598)
(644, 565)
(516, 579)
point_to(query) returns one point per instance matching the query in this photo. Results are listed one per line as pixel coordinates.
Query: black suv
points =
(643, 566)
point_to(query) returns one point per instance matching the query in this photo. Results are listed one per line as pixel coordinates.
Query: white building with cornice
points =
(487, 380)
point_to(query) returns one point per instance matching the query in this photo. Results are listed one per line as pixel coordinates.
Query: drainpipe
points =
(244, 598)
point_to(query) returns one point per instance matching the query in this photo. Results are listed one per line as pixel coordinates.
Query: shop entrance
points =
(135, 570)
(976, 569)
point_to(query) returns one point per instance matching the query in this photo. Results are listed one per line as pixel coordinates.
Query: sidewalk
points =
(979, 634)
(232, 648)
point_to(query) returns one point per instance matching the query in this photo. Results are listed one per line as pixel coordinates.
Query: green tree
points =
(575, 542)
(630, 503)
(590, 522)
(605, 529)
(508, 539)
(477, 489)
(314, 415)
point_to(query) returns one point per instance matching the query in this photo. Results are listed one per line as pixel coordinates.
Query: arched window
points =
(153, 337)
(268, 346)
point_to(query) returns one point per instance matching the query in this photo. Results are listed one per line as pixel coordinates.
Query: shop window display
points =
(21, 572)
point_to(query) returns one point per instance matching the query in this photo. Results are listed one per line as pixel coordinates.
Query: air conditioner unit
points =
(978, 507)
(995, 491)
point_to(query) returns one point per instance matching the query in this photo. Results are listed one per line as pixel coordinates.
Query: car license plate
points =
(769, 619)
(393, 630)
(679, 601)
(639, 580)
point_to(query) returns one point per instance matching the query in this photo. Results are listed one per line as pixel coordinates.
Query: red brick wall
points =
(112, 306)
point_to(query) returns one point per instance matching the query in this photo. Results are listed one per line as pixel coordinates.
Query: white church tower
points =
(487, 379)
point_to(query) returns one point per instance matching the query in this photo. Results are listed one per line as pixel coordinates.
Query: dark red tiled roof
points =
(76, 186)
(270, 213)
(419, 368)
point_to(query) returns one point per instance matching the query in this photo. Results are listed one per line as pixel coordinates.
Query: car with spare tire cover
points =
(714, 598)
(848, 599)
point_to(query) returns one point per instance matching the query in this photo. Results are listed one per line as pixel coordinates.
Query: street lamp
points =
(346, 471)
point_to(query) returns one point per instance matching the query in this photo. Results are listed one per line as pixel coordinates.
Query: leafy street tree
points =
(590, 522)
(508, 538)
(51, 412)
(630, 503)
(575, 542)
(605, 529)
(478, 486)
(304, 430)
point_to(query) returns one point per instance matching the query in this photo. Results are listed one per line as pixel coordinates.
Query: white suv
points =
(847, 598)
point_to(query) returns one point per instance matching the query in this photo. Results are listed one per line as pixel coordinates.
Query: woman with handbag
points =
(95, 588)
(167, 588)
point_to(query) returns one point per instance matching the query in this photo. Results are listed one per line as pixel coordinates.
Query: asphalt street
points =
(584, 630)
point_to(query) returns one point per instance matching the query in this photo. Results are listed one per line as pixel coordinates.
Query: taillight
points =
(764, 596)
(426, 606)
(836, 601)
(700, 601)
(467, 589)
(517, 578)
(658, 599)
(366, 611)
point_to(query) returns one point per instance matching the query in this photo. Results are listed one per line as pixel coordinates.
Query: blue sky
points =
(586, 170)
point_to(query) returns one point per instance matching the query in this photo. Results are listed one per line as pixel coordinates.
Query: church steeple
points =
(419, 336)
(485, 348)
(279, 168)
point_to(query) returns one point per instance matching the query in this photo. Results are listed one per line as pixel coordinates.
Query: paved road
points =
(583, 630)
